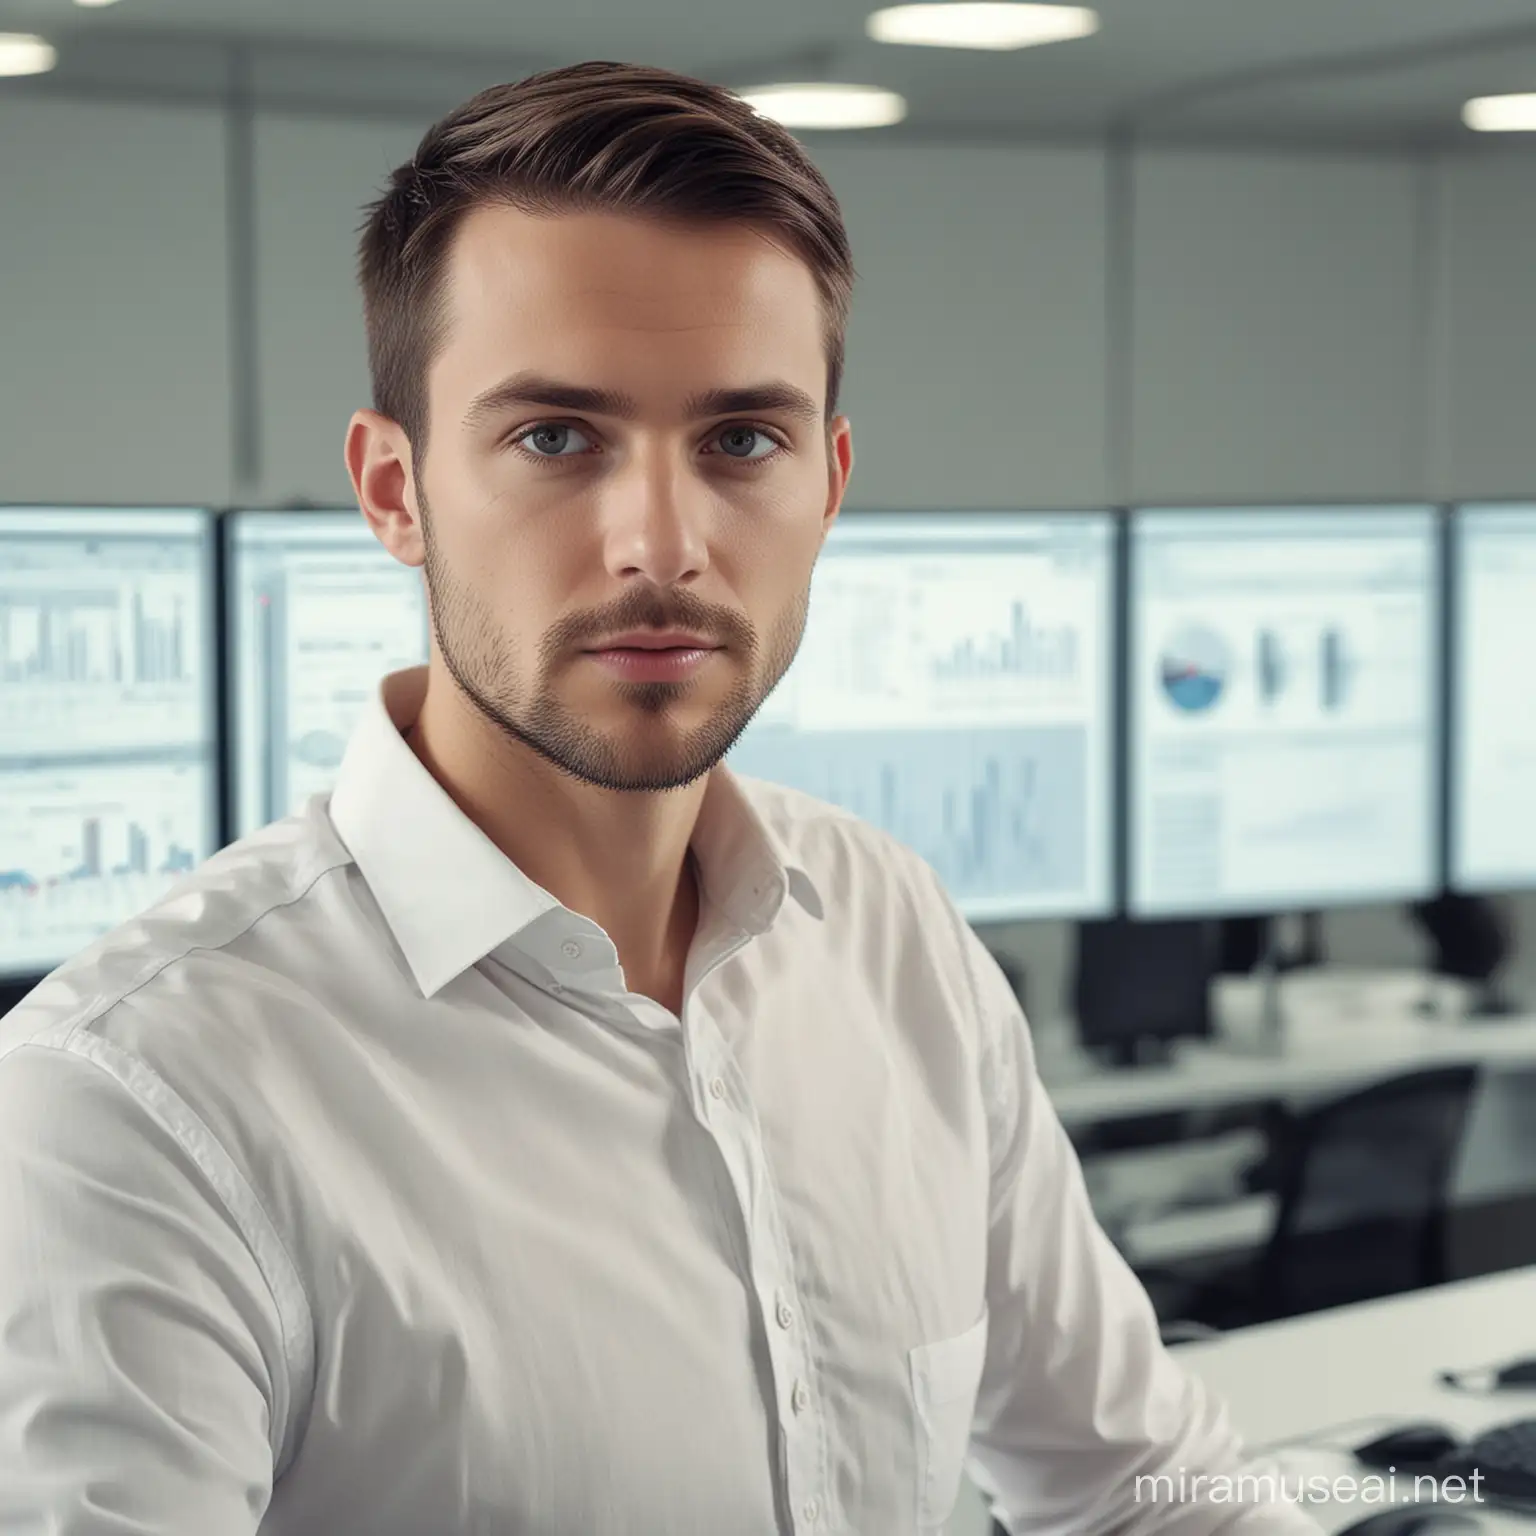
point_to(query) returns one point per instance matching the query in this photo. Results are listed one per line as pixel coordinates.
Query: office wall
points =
(114, 304)
(1269, 325)
(1275, 322)
(311, 181)
(1485, 233)
(977, 352)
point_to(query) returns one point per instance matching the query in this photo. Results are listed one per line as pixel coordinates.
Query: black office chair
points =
(1363, 1186)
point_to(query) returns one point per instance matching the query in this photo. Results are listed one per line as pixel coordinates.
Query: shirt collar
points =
(450, 895)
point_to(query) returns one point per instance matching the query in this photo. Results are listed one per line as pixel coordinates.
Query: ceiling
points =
(1330, 73)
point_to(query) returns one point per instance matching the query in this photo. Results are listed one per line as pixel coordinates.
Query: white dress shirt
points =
(348, 1190)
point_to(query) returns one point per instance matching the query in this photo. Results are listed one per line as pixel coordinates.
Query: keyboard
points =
(1506, 1458)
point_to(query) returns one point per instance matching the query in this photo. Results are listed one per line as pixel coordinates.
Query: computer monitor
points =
(1493, 698)
(317, 612)
(108, 726)
(1138, 986)
(1283, 699)
(954, 687)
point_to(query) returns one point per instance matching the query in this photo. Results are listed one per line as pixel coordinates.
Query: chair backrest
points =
(1363, 1187)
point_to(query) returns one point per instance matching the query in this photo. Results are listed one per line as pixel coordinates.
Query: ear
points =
(378, 455)
(839, 468)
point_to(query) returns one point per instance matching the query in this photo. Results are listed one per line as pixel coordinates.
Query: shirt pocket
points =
(945, 1379)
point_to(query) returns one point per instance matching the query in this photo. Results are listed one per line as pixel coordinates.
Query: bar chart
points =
(106, 658)
(1027, 650)
(86, 847)
(1001, 816)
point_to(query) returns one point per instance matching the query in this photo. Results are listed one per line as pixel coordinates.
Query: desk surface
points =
(1319, 1054)
(1377, 1361)
(1382, 1357)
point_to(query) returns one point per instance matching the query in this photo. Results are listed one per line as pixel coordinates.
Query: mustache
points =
(651, 607)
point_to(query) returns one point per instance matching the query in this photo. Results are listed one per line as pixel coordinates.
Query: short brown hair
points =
(620, 138)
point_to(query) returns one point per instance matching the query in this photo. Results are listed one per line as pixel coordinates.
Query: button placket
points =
(738, 1136)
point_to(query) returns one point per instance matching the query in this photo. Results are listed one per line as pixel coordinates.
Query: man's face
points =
(589, 480)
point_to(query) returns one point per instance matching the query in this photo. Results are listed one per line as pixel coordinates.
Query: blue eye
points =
(547, 441)
(747, 433)
(552, 440)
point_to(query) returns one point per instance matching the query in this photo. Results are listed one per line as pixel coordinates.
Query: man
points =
(547, 1131)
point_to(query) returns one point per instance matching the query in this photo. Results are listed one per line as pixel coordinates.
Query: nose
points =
(655, 521)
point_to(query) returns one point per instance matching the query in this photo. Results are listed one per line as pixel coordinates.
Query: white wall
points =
(977, 351)
(312, 180)
(1275, 325)
(114, 304)
(1486, 290)
(1300, 325)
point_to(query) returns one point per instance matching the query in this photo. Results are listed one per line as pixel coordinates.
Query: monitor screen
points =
(1493, 765)
(954, 688)
(108, 752)
(1283, 699)
(317, 612)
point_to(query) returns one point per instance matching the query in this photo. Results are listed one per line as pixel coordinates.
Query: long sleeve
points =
(142, 1353)
(1082, 1410)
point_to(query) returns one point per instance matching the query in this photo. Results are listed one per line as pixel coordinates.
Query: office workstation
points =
(1173, 634)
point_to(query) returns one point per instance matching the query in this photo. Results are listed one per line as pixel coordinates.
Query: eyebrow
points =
(540, 390)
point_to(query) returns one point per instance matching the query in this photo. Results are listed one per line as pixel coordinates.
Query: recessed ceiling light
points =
(987, 24)
(1501, 114)
(95, 4)
(825, 105)
(23, 54)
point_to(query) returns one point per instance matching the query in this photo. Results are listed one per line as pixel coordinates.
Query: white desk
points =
(1376, 1360)
(1305, 1375)
(1318, 1056)
(1380, 1357)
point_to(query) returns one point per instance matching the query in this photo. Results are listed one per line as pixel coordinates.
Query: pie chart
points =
(1193, 668)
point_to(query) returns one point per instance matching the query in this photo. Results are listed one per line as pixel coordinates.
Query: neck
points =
(618, 858)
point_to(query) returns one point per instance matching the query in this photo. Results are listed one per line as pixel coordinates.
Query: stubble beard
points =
(645, 754)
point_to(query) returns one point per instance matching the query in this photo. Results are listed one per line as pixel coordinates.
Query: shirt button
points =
(717, 1088)
(571, 949)
(811, 1508)
(785, 1315)
(799, 1398)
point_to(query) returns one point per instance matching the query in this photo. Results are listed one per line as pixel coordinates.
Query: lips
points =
(656, 640)
(654, 657)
